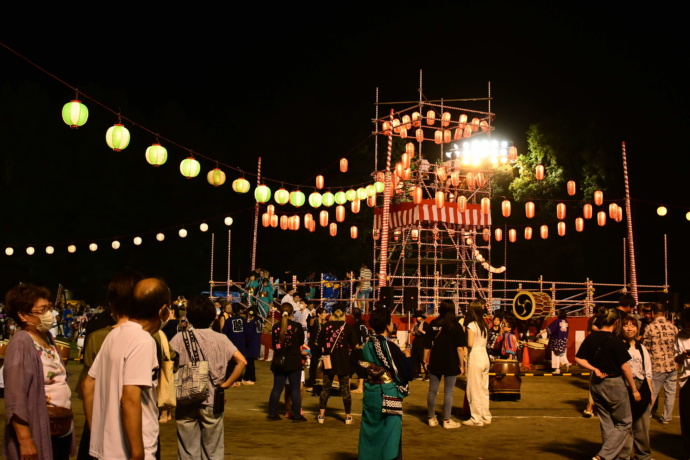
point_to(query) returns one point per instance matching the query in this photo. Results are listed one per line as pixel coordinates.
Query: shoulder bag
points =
(192, 383)
(326, 359)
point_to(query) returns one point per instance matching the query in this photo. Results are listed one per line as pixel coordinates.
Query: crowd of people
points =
(148, 360)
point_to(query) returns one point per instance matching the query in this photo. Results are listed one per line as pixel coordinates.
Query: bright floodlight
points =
(477, 152)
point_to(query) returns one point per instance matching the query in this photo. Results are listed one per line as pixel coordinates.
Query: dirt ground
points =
(546, 423)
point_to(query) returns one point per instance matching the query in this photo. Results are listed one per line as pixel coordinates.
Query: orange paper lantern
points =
(295, 222)
(333, 229)
(462, 121)
(455, 178)
(265, 219)
(598, 197)
(419, 135)
(355, 205)
(470, 180)
(484, 125)
(403, 132)
(512, 235)
(405, 160)
(323, 218)
(498, 233)
(544, 232)
(446, 136)
(399, 169)
(441, 173)
(579, 224)
(467, 132)
(386, 128)
(475, 125)
(343, 165)
(409, 149)
(505, 208)
(528, 233)
(438, 137)
(486, 234)
(353, 232)
(312, 226)
(414, 234)
(308, 219)
(417, 194)
(601, 218)
(539, 172)
(587, 211)
(561, 229)
(407, 121)
(395, 123)
(340, 213)
(512, 154)
(613, 210)
(462, 203)
(440, 199)
(529, 209)
(445, 119)
(319, 182)
(430, 117)
(560, 211)
(274, 221)
(407, 173)
(486, 205)
(416, 119)
(283, 222)
(571, 187)
(371, 201)
(619, 214)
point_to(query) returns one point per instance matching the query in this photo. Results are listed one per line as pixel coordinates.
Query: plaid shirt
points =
(660, 339)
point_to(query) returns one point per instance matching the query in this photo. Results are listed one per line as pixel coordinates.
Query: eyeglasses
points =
(41, 310)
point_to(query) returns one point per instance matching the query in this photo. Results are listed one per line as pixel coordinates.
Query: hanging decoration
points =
(189, 167)
(50, 250)
(662, 211)
(115, 245)
(117, 137)
(274, 221)
(440, 199)
(203, 227)
(371, 201)
(417, 194)
(587, 211)
(315, 200)
(183, 233)
(265, 219)
(560, 211)
(571, 187)
(333, 229)
(343, 165)
(579, 224)
(297, 198)
(505, 208)
(528, 233)
(498, 234)
(486, 234)
(362, 193)
(340, 213)
(30, 250)
(613, 210)
(327, 199)
(216, 177)
(486, 206)
(529, 209)
(379, 186)
(512, 235)
(561, 228)
(319, 182)
(462, 203)
(351, 195)
(308, 219)
(544, 232)
(340, 197)
(598, 197)
(262, 193)
(323, 218)
(75, 114)
(159, 237)
(601, 218)
(156, 155)
(354, 232)
(281, 196)
(355, 206)
(72, 248)
(241, 185)
(414, 234)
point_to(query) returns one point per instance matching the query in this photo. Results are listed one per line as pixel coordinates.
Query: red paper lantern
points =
(395, 123)
(561, 229)
(343, 165)
(462, 203)
(601, 218)
(274, 221)
(613, 210)
(417, 195)
(445, 119)
(430, 117)
(528, 233)
(403, 132)
(353, 232)
(438, 137)
(319, 182)
(619, 214)
(270, 209)
(323, 218)
(405, 160)
(409, 149)
(312, 226)
(406, 122)
(475, 125)
(416, 119)
(560, 211)
(544, 232)
(295, 222)
(355, 205)
(386, 128)
(598, 197)
(371, 201)
(419, 135)
(579, 224)
(333, 229)
(406, 174)
(498, 233)
(467, 132)
(505, 208)
(399, 169)
(283, 222)
(462, 121)
(458, 134)
(539, 172)
(486, 205)
(512, 154)
(446, 136)
(512, 235)
(440, 199)
(308, 219)
(529, 209)
(265, 219)
(587, 211)
(340, 213)
(571, 187)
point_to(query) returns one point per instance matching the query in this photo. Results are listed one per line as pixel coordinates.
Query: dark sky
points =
(295, 85)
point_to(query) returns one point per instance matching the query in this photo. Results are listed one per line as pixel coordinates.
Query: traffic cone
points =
(525, 358)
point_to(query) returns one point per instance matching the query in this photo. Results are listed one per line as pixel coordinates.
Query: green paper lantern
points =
(362, 193)
(379, 186)
(117, 137)
(371, 190)
(327, 199)
(340, 197)
(282, 196)
(75, 114)
(315, 200)
(262, 193)
(297, 198)
(216, 177)
(351, 195)
(241, 185)
(156, 155)
(190, 167)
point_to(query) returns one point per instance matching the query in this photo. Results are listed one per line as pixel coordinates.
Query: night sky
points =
(296, 85)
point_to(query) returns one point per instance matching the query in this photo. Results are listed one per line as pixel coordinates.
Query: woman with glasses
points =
(37, 394)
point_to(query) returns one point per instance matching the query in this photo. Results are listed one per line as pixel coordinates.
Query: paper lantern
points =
(598, 197)
(315, 200)
(440, 199)
(475, 125)
(561, 229)
(362, 193)
(75, 114)
(385, 128)
(579, 224)
(430, 118)
(270, 210)
(601, 218)
(438, 137)
(308, 219)
(327, 199)
(333, 229)
(228, 220)
(274, 221)
(481, 179)
(446, 136)
(587, 211)
(312, 226)
(50, 250)
(467, 132)
(486, 234)
(93, 247)
(539, 172)
(340, 197)
(470, 180)
(560, 211)
(409, 149)
(265, 219)
(445, 119)
(241, 185)
(115, 245)
(528, 233)
(613, 210)
(405, 160)
(455, 178)
(399, 169)
(458, 134)
(379, 186)
(262, 193)
(417, 195)
(376, 235)
(72, 248)
(544, 232)
(319, 182)
(403, 132)
(512, 154)
(441, 173)
(529, 209)
(203, 227)
(9, 251)
(216, 177)
(351, 195)
(505, 208)
(395, 123)
(340, 213)
(407, 173)
(370, 190)
(687, 216)
(183, 232)
(295, 223)
(323, 218)
(486, 205)
(160, 236)
(416, 119)
(30, 250)
(462, 203)
(354, 206)
(156, 155)
(297, 198)
(281, 196)
(353, 232)
(117, 137)
(512, 235)
(498, 234)
(406, 121)
(662, 211)
(414, 234)
(571, 187)
(619, 214)
(371, 201)
(396, 234)
(343, 165)
(419, 135)
(284, 222)
(189, 167)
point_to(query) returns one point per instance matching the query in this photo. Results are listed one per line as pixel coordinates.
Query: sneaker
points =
(587, 413)
(471, 422)
(273, 418)
(321, 419)
(247, 382)
(299, 419)
(433, 421)
(349, 420)
(556, 372)
(450, 424)
(486, 422)
(664, 422)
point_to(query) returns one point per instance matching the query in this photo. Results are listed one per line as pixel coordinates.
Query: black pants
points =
(250, 370)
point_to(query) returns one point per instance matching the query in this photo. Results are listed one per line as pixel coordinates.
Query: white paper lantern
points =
(50, 249)
(228, 221)
(93, 247)
(71, 249)
(182, 233)
(9, 251)
(203, 227)
(160, 237)
(30, 250)
(116, 244)
(137, 240)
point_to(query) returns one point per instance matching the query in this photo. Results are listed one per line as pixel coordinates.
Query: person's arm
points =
(240, 364)
(584, 363)
(470, 338)
(628, 376)
(460, 360)
(27, 447)
(88, 387)
(130, 407)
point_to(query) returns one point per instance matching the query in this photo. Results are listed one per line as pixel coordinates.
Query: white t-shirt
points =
(127, 357)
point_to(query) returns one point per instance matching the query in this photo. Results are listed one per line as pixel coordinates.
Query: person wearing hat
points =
(418, 331)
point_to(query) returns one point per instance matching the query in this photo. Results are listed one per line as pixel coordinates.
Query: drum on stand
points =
(507, 380)
(527, 304)
(64, 349)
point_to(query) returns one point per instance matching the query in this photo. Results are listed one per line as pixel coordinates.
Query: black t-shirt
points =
(361, 331)
(444, 359)
(604, 351)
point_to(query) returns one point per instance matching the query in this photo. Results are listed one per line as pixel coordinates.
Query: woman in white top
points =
(641, 366)
(477, 365)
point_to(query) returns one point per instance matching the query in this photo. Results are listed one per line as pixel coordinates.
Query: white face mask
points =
(46, 321)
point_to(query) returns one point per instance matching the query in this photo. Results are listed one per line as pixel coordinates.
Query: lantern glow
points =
(117, 137)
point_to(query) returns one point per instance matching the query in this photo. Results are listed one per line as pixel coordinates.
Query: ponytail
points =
(286, 310)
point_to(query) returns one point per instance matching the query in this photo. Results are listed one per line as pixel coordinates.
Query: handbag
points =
(327, 363)
(638, 408)
(219, 400)
(391, 405)
(166, 385)
(60, 419)
(192, 383)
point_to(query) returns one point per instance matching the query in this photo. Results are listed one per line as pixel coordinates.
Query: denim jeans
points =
(279, 381)
(669, 381)
(448, 387)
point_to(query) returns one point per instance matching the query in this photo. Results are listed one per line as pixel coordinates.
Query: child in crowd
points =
(508, 339)
(493, 343)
